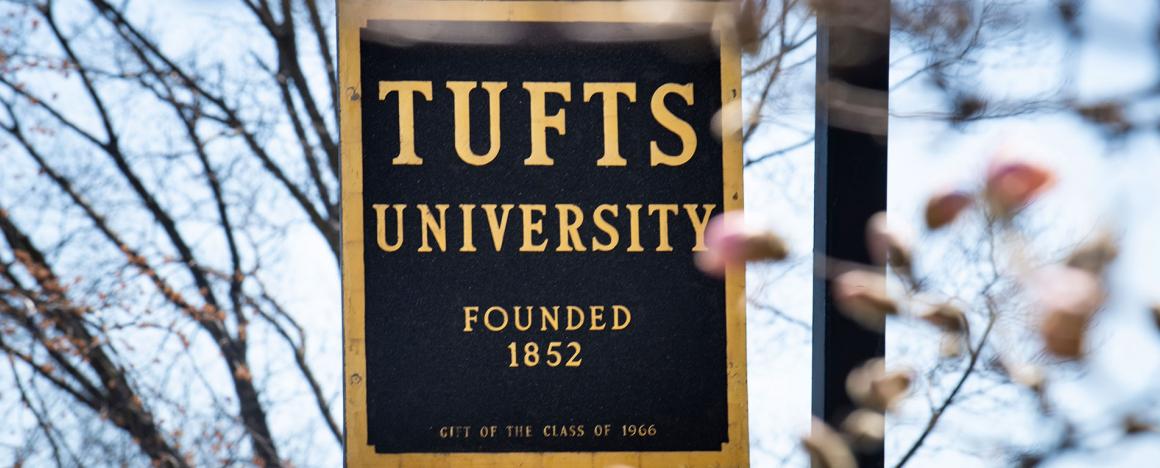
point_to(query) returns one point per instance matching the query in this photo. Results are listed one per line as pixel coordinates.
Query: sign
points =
(525, 185)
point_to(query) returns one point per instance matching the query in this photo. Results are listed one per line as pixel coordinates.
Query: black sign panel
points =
(533, 195)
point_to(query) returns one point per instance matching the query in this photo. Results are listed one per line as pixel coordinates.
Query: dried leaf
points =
(765, 246)
(952, 345)
(1064, 333)
(1133, 425)
(1156, 315)
(946, 317)
(943, 208)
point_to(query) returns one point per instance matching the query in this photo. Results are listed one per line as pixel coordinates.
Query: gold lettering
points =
(498, 226)
(621, 317)
(407, 91)
(380, 217)
(437, 229)
(533, 227)
(470, 316)
(523, 325)
(634, 228)
(541, 122)
(571, 217)
(699, 223)
(468, 232)
(610, 93)
(604, 225)
(575, 312)
(674, 124)
(663, 212)
(573, 220)
(462, 93)
(487, 318)
(545, 318)
(597, 317)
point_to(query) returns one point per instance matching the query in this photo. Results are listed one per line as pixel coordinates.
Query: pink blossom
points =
(1012, 185)
(1068, 298)
(729, 242)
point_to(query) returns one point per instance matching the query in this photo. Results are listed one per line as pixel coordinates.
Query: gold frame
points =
(353, 15)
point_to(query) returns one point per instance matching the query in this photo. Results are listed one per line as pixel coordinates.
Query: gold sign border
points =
(353, 15)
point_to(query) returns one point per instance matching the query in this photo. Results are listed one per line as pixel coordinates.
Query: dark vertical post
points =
(850, 186)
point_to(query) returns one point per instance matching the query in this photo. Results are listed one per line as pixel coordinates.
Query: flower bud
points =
(944, 207)
(729, 242)
(1094, 256)
(722, 126)
(826, 448)
(1156, 315)
(872, 387)
(765, 245)
(1063, 333)
(1027, 375)
(1133, 425)
(887, 246)
(861, 295)
(749, 26)
(951, 345)
(946, 317)
(865, 429)
(242, 373)
(1012, 185)
(1068, 298)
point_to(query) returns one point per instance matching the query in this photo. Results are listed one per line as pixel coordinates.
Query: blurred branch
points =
(136, 207)
(146, 50)
(780, 314)
(41, 418)
(936, 415)
(116, 396)
(299, 348)
(776, 153)
(788, 41)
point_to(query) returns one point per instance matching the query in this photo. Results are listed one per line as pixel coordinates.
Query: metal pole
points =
(853, 60)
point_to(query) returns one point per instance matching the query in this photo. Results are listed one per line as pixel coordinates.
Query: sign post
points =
(849, 188)
(525, 185)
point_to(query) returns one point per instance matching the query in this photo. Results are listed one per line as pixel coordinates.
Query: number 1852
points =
(556, 353)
